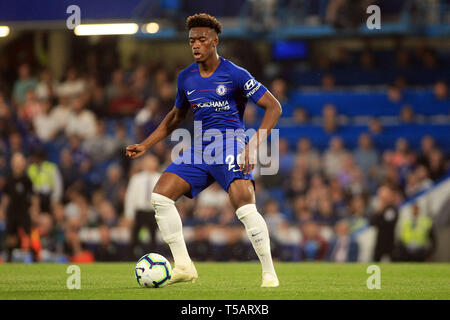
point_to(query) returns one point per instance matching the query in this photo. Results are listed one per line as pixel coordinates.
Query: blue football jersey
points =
(219, 100)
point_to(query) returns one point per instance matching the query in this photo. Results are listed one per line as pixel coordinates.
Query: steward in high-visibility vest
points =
(46, 179)
(415, 232)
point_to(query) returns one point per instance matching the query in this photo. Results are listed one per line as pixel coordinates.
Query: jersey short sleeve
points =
(251, 88)
(181, 100)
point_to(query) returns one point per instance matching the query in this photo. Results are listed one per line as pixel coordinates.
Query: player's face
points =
(203, 42)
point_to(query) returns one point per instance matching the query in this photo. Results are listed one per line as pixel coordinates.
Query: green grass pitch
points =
(230, 281)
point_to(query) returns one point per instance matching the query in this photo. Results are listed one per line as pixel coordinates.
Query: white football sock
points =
(258, 234)
(170, 226)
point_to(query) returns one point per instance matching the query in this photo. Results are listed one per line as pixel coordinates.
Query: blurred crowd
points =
(68, 136)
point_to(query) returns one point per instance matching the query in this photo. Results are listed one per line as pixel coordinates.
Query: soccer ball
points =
(153, 271)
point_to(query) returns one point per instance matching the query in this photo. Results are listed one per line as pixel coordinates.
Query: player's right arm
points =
(172, 120)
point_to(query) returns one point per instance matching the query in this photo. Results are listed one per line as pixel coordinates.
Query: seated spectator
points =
(47, 87)
(100, 147)
(407, 115)
(307, 155)
(273, 216)
(437, 167)
(286, 157)
(60, 114)
(394, 95)
(440, 91)
(417, 181)
(300, 116)
(326, 214)
(251, 116)
(107, 250)
(417, 239)
(81, 122)
(73, 86)
(375, 126)
(279, 89)
(114, 186)
(69, 171)
(43, 123)
(334, 156)
(30, 109)
(343, 248)
(22, 85)
(125, 104)
(113, 89)
(427, 144)
(329, 118)
(313, 246)
(358, 221)
(328, 82)
(366, 156)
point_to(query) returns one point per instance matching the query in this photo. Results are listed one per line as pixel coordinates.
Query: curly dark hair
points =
(203, 20)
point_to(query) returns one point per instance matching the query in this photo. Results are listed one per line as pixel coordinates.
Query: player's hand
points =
(134, 151)
(247, 159)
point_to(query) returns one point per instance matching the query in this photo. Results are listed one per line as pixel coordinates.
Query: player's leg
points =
(242, 197)
(167, 190)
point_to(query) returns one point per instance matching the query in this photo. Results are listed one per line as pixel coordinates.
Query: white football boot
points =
(183, 274)
(269, 280)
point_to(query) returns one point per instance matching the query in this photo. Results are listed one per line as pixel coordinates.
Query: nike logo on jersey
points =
(255, 234)
(190, 92)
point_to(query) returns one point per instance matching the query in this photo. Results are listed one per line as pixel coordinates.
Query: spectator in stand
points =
(375, 126)
(343, 248)
(366, 156)
(385, 219)
(24, 84)
(113, 89)
(328, 82)
(437, 164)
(325, 214)
(330, 119)
(43, 123)
(251, 117)
(286, 157)
(73, 86)
(358, 221)
(313, 246)
(334, 156)
(30, 109)
(279, 89)
(81, 122)
(417, 181)
(125, 104)
(60, 114)
(100, 147)
(394, 95)
(107, 250)
(69, 172)
(114, 186)
(427, 145)
(46, 88)
(440, 91)
(300, 116)
(407, 115)
(306, 154)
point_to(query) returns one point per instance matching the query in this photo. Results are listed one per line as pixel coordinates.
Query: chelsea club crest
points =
(221, 90)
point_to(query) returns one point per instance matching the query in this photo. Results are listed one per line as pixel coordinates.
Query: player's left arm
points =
(272, 113)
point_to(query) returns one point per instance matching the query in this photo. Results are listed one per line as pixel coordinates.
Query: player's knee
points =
(245, 210)
(158, 201)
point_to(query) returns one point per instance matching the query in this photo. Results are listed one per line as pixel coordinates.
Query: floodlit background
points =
(364, 135)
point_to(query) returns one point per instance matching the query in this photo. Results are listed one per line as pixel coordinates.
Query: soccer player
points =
(217, 91)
